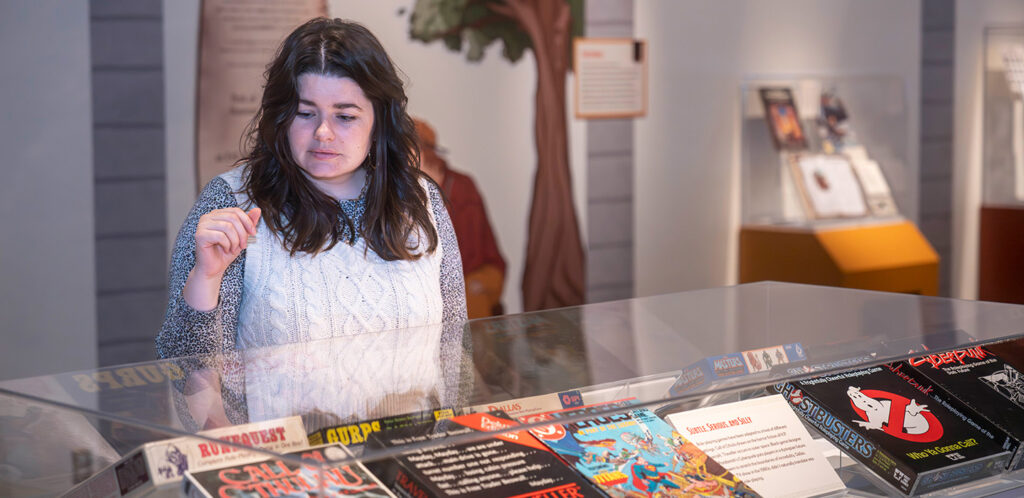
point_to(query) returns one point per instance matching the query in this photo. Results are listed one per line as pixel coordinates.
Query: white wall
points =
(483, 114)
(687, 148)
(972, 17)
(47, 252)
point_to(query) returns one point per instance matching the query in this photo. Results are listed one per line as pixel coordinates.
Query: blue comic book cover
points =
(635, 454)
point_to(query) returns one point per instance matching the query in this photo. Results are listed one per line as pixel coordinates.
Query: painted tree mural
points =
(554, 271)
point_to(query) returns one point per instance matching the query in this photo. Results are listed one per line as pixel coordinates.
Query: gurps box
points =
(891, 424)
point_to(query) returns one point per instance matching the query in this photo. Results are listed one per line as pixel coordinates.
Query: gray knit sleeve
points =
(456, 345)
(453, 283)
(185, 331)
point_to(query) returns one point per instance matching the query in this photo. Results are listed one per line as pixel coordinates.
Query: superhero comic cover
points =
(635, 454)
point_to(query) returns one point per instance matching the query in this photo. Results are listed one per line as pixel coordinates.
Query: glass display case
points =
(1003, 147)
(58, 430)
(1002, 209)
(863, 118)
(828, 186)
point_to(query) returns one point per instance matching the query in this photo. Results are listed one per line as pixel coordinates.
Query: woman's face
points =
(330, 135)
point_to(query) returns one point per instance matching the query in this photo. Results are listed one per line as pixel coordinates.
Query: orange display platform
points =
(892, 257)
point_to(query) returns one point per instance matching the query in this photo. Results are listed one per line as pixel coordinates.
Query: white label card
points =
(763, 443)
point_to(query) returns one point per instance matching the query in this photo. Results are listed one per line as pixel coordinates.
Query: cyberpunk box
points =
(987, 378)
(893, 424)
(512, 464)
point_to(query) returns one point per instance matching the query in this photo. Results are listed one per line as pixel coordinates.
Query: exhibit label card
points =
(611, 77)
(763, 443)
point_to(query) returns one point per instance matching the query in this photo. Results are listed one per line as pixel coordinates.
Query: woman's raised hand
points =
(221, 235)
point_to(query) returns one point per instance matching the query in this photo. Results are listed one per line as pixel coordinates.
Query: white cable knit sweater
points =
(343, 291)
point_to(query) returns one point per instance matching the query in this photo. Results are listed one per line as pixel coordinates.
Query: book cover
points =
(987, 378)
(888, 422)
(316, 476)
(512, 464)
(783, 119)
(634, 453)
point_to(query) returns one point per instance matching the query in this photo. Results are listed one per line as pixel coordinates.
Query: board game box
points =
(987, 378)
(316, 476)
(891, 424)
(354, 435)
(157, 468)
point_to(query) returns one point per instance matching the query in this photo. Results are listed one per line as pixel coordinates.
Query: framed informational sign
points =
(237, 40)
(611, 77)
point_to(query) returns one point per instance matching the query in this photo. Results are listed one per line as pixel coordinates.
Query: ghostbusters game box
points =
(889, 421)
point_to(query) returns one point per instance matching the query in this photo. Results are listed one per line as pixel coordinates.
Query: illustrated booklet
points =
(889, 422)
(512, 464)
(321, 474)
(633, 453)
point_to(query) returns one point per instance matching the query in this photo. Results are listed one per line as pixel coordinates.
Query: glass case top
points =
(647, 348)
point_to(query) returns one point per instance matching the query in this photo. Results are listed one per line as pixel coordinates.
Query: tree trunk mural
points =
(553, 275)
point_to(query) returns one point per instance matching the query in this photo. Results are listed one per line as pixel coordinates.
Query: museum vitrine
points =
(666, 356)
(1002, 211)
(827, 185)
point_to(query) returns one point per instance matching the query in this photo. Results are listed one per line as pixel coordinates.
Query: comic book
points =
(987, 378)
(354, 435)
(512, 464)
(315, 477)
(635, 454)
(888, 421)
(157, 468)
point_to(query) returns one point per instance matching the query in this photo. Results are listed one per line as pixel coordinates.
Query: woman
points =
(327, 227)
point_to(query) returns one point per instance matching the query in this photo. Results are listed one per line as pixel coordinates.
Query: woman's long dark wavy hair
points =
(308, 219)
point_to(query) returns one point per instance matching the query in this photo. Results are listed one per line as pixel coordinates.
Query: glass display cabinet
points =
(827, 186)
(58, 430)
(1002, 209)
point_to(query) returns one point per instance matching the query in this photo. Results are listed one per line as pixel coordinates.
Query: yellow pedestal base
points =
(892, 257)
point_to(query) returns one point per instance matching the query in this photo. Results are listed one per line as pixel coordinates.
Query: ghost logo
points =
(895, 415)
